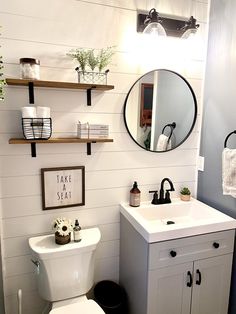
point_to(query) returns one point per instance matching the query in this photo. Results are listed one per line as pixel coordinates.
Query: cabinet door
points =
(211, 285)
(168, 290)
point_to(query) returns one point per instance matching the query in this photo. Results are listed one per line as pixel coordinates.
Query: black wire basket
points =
(37, 128)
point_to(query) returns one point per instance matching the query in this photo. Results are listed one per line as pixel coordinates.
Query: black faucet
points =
(166, 199)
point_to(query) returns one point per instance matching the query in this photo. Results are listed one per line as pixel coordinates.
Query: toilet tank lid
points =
(44, 247)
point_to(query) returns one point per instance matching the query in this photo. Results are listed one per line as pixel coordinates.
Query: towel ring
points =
(172, 127)
(227, 137)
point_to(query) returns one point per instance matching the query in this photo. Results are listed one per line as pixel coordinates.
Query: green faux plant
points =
(92, 60)
(88, 60)
(185, 191)
(81, 56)
(104, 57)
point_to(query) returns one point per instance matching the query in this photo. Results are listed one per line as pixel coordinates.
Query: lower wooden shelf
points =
(63, 140)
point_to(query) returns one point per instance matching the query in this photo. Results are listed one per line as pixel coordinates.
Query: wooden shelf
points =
(66, 140)
(53, 84)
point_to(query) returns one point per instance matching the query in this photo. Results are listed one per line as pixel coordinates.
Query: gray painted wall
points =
(219, 117)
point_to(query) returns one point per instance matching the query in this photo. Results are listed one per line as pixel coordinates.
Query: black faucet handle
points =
(155, 200)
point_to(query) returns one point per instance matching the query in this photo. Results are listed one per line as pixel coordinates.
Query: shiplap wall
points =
(47, 30)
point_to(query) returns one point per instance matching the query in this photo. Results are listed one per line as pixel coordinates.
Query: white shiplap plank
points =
(56, 31)
(97, 161)
(43, 223)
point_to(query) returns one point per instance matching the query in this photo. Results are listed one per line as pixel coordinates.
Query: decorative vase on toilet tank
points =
(62, 228)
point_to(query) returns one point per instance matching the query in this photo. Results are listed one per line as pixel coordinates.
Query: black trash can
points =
(111, 297)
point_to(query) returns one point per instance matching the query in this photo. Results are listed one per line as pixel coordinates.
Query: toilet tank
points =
(64, 271)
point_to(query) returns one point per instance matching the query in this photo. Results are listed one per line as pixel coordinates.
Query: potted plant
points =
(62, 228)
(88, 62)
(185, 194)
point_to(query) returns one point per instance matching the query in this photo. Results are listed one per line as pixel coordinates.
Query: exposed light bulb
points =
(189, 33)
(155, 28)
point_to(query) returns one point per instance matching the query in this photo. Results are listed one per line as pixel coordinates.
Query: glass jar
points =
(29, 68)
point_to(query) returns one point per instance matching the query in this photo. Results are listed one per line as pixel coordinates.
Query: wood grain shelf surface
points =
(54, 84)
(60, 140)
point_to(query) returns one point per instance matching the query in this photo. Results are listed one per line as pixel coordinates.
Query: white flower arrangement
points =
(62, 226)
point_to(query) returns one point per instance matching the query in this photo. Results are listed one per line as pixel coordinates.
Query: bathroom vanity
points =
(180, 267)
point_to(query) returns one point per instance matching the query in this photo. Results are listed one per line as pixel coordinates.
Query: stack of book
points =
(87, 130)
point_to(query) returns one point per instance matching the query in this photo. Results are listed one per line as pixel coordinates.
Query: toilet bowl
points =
(65, 273)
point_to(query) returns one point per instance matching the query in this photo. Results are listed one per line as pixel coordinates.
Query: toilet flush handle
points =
(37, 264)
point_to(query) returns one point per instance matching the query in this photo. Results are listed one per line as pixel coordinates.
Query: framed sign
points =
(63, 187)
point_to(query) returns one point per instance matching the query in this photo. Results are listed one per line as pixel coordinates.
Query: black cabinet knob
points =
(173, 253)
(216, 245)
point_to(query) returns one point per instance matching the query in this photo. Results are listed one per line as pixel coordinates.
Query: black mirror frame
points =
(194, 119)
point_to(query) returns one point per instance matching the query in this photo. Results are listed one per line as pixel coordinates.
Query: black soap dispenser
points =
(76, 231)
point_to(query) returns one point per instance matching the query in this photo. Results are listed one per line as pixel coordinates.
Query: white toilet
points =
(65, 272)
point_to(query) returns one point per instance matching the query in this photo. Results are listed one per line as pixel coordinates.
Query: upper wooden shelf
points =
(54, 84)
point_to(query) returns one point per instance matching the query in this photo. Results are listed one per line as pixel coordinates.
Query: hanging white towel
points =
(163, 144)
(229, 172)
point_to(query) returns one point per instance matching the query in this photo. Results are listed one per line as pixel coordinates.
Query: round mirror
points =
(160, 110)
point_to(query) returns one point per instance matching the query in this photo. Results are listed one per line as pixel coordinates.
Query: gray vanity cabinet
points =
(183, 276)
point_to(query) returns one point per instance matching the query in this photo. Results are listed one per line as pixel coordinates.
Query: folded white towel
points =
(43, 112)
(229, 172)
(28, 112)
(162, 143)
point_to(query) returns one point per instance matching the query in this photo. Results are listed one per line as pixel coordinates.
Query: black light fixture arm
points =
(190, 24)
(153, 16)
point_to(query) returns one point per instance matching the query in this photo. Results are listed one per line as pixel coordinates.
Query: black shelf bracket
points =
(89, 101)
(31, 92)
(89, 97)
(33, 149)
(88, 148)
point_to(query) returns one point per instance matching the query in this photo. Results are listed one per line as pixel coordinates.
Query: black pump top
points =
(135, 184)
(76, 222)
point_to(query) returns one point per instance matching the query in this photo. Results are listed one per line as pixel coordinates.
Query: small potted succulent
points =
(185, 194)
(62, 228)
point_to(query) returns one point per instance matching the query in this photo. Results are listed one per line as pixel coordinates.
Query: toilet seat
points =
(85, 307)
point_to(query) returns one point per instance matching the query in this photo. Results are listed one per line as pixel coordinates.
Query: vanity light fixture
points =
(153, 23)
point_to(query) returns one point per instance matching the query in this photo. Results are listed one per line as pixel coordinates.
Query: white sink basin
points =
(176, 220)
